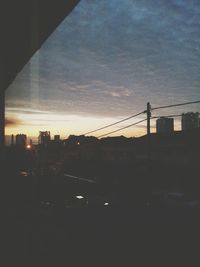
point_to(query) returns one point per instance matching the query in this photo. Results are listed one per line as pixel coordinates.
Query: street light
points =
(79, 197)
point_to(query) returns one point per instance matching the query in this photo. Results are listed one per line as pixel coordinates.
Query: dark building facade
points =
(165, 125)
(190, 121)
(21, 140)
(57, 138)
(44, 137)
(12, 140)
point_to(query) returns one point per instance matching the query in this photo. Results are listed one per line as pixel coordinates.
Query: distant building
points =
(44, 137)
(190, 121)
(12, 140)
(57, 138)
(165, 125)
(79, 139)
(21, 140)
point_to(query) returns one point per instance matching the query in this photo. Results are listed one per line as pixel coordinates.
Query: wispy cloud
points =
(25, 111)
(12, 122)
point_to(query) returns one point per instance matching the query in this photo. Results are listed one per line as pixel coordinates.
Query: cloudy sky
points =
(104, 63)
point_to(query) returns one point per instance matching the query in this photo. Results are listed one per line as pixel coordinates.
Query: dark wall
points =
(25, 25)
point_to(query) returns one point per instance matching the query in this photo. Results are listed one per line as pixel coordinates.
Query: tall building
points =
(190, 121)
(21, 140)
(165, 125)
(44, 137)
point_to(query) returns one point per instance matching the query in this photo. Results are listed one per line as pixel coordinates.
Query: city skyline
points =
(164, 125)
(105, 62)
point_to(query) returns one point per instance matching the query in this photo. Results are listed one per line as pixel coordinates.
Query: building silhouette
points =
(57, 138)
(21, 140)
(44, 137)
(190, 121)
(165, 125)
(12, 139)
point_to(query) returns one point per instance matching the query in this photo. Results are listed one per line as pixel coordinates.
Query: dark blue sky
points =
(108, 58)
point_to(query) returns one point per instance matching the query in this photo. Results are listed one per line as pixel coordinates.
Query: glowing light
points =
(106, 204)
(28, 146)
(23, 173)
(79, 197)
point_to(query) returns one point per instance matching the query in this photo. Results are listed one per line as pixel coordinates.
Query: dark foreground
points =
(102, 237)
(152, 217)
(38, 232)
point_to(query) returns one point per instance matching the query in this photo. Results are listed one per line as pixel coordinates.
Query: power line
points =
(121, 128)
(170, 116)
(175, 105)
(109, 125)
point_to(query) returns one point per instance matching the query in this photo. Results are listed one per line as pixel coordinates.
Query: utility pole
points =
(148, 118)
(148, 111)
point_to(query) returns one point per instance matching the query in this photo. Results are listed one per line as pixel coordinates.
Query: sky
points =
(104, 62)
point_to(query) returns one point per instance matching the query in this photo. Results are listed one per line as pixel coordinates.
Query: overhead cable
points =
(121, 128)
(112, 124)
(170, 116)
(175, 105)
